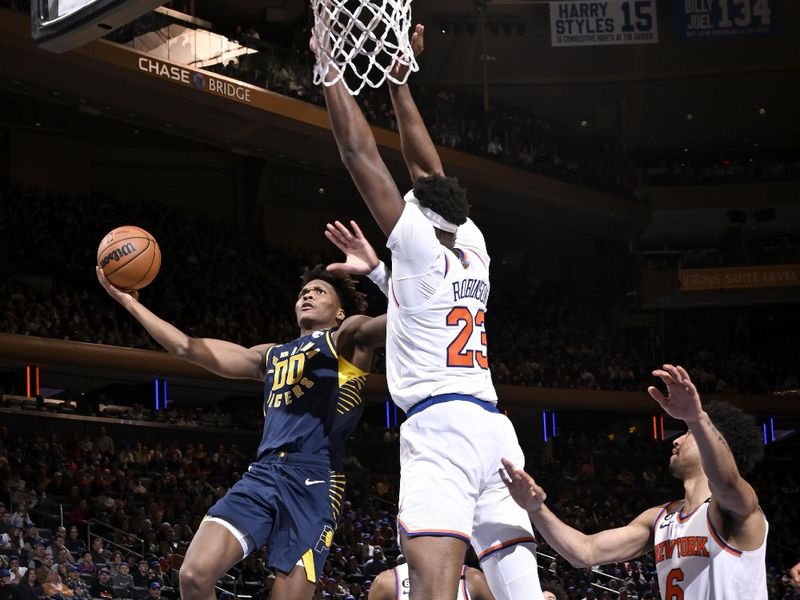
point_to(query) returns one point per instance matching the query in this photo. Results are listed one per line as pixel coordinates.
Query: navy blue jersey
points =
(312, 399)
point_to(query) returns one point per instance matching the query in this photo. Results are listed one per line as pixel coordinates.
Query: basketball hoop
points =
(359, 41)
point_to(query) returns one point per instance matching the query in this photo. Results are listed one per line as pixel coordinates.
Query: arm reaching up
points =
(731, 494)
(218, 356)
(360, 257)
(419, 152)
(359, 153)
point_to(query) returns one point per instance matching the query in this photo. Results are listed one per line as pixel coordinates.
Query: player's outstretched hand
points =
(116, 293)
(794, 572)
(360, 257)
(682, 400)
(399, 70)
(525, 491)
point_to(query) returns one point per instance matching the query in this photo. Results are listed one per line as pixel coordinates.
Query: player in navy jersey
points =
(290, 497)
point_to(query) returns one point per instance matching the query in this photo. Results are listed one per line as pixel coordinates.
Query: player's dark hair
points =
(352, 301)
(740, 432)
(444, 196)
(554, 589)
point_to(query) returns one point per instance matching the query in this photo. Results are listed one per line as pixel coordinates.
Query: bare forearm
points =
(568, 542)
(715, 455)
(418, 149)
(170, 337)
(350, 128)
(360, 156)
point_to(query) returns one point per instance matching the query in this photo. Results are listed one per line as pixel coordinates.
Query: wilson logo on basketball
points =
(117, 254)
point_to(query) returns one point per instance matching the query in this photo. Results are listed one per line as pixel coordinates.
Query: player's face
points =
(317, 305)
(685, 457)
(549, 596)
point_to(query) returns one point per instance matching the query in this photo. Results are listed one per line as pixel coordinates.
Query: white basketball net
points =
(359, 41)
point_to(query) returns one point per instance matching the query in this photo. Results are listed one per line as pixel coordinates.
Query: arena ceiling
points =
(741, 92)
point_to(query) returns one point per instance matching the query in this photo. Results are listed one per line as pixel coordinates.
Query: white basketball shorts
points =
(449, 481)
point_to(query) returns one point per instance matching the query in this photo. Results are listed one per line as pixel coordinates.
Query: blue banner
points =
(694, 19)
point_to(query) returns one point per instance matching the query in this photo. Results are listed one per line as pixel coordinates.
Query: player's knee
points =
(195, 582)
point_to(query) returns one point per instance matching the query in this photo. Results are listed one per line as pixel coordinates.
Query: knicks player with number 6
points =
(437, 366)
(711, 545)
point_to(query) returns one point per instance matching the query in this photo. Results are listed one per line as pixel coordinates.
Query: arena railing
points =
(90, 535)
(594, 571)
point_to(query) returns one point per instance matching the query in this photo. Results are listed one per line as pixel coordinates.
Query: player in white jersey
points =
(451, 494)
(394, 584)
(708, 546)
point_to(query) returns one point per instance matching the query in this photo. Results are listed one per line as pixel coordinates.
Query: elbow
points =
(357, 151)
(579, 562)
(352, 155)
(183, 348)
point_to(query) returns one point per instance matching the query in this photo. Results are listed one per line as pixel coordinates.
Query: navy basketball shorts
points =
(290, 502)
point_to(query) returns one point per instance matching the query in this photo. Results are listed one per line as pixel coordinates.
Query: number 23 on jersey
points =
(458, 355)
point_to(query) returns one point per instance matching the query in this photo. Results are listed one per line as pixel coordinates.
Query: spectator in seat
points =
(123, 579)
(21, 518)
(102, 587)
(154, 591)
(17, 572)
(7, 591)
(29, 588)
(74, 543)
(141, 576)
(99, 554)
(60, 551)
(56, 588)
(76, 584)
(376, 564)
(86, 564)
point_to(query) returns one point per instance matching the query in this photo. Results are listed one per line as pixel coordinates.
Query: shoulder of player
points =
(350, 328)
(357, 337)
(262, 350)
(650, 517)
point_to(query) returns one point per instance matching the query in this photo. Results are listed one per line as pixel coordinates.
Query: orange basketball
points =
(129, 257)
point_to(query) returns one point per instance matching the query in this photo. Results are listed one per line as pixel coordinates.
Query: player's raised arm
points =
(360, 256)
(730, 492)
(419, 152)
(218, 356)
(581, 550)
(359, 153)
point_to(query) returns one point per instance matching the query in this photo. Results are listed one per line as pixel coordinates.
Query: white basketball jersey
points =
(435, 332)
(402, 587)
(693, 562)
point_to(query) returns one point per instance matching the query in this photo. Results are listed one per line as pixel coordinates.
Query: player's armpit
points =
(226, 359)
(742, 531)
(623, 543)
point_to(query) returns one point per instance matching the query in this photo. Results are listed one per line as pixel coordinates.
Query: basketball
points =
(130, 257)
